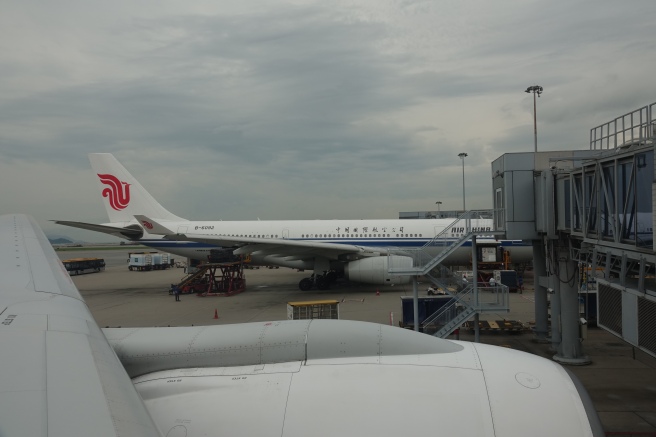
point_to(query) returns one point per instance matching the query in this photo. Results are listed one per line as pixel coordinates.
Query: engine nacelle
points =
(374, 270)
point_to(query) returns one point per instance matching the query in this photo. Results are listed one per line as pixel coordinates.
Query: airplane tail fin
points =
(123, 196)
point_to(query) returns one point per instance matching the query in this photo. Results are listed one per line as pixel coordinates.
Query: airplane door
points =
(285, 234)
(182, 229)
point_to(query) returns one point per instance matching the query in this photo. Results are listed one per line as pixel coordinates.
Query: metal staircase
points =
(445, 321)
(468, 299)
(430, 255)
(465, 303)
(443, 278)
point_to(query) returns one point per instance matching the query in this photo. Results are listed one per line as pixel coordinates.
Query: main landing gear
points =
(320, 282)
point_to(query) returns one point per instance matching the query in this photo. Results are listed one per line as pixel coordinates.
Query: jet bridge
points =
(590, 209)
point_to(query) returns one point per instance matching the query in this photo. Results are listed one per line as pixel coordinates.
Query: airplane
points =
(355, 249)
(64, 376)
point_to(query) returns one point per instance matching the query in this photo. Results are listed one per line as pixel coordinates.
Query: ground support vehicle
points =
(161, 261)
(140, 261)
(77, 266)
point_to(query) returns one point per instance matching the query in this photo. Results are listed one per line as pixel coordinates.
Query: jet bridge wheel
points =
(305, 284)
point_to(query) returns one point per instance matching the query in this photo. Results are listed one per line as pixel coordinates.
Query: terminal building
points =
(454, 214)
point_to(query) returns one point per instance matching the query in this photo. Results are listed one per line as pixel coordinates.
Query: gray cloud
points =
(306, 110)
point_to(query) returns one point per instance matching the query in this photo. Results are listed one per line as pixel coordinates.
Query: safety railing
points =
(444, 279)
(441, 246)
(466, 302)
(636, 127)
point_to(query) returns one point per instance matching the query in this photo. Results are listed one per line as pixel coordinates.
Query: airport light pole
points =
(535, 89)
(462, 156)
(438, 203)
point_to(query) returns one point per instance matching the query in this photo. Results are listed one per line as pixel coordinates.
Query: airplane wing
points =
(266, 246)
(132, 233)
(344, 377)
(59, 376)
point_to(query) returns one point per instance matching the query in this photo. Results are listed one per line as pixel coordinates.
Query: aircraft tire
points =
(331, 277)
(323, 283)
(305, 284)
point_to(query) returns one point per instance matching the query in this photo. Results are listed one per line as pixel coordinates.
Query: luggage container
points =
(507, 278)
(314, 309)
(427, 307)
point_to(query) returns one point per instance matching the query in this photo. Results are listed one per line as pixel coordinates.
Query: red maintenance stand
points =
(215, 279)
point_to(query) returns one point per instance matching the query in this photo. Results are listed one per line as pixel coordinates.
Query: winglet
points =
(152, 227)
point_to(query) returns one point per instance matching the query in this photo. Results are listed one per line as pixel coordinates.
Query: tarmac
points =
(621, 379)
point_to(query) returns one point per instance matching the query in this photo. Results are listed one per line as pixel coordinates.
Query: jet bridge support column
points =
(415, 302)
(555, 311)
(541, 305)
(477, 328)
(571, 349)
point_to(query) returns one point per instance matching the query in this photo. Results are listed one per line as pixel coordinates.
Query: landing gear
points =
(321, 282)
(331, 276)
(305, 284)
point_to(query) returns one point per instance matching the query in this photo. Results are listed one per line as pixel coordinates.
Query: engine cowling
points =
(374, 270)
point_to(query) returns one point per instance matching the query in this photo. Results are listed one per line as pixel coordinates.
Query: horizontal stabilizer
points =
(132, 232)
(153, 227)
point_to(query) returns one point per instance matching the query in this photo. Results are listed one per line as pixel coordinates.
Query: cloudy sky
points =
(302, 109)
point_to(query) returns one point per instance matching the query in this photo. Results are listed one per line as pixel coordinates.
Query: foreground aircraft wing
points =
(318, 377)
(264, 246)
(58, 374)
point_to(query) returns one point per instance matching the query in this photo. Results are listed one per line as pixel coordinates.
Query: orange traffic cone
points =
(216, 313)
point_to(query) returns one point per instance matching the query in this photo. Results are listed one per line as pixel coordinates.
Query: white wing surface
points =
(58, 374)
(340, 377)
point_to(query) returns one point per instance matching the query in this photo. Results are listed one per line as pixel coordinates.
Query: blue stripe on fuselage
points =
(393, 242)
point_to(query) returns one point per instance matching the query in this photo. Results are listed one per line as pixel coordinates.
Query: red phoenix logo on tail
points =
(118, 192)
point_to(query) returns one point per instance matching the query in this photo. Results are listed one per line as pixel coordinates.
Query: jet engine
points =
(374, 270)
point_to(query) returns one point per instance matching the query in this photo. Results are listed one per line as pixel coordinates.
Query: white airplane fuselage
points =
(370, 251)
(408, 235)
